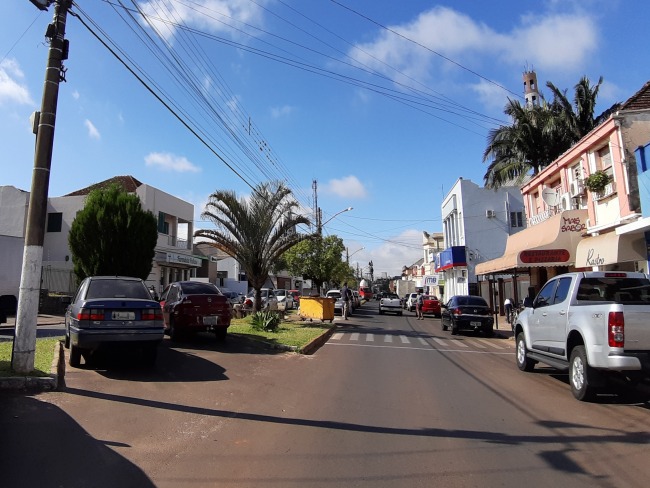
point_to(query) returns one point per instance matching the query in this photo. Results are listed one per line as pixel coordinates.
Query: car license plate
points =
(211, 320)
(475, 324)
(123, 315)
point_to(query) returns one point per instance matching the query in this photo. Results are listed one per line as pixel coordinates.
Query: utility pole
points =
(22, 359)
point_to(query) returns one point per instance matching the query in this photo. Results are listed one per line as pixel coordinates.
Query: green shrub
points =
(264, 320)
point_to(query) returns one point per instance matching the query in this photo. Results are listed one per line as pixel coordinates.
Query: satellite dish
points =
(550, 197)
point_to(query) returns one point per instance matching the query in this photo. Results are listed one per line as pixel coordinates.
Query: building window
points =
(54, 222)
(604, 159)
(163, 225)
(516, 219)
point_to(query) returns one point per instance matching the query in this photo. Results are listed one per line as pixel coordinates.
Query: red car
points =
(193, 306)
(431, 305)
(296, 297)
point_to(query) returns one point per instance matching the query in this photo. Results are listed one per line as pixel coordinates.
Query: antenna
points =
(550, 197)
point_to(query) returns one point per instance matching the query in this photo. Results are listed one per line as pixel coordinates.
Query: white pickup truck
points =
(589, 323)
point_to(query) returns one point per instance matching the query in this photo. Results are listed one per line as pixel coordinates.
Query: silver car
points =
(285, 299)
(269, 300)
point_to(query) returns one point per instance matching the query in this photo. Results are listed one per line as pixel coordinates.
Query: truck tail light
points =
(616, 329)
(90, 314)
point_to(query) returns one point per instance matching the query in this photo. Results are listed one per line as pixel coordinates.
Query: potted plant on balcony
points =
(597, 181)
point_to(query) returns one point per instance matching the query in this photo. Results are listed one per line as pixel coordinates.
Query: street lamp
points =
(320, 225)
(348, 256)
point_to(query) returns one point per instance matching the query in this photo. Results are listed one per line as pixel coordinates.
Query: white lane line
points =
(388, 338)
(490, 343)
(354, 336)
(370, 338)
(404, 339)
(337, 336)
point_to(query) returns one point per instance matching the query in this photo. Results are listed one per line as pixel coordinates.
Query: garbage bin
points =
(320, 308)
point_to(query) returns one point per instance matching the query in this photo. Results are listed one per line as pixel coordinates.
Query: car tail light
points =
(457, 311)
(151, 314)
(616, 329)
(90, 314)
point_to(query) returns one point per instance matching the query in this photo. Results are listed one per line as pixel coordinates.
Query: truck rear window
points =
(633, 291)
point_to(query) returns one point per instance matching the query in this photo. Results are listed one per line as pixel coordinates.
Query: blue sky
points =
(386, 104)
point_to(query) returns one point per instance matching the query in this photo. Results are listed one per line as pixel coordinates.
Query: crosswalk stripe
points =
(490, 343)
(388, 338)
(354, 336)
(440, 341)
(423, 342)
(370, 338)
(478, 344)
(459, 343)
(405, 340)
(337, 336)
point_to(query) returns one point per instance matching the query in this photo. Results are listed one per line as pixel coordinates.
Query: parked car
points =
(405, 300)
(285, 299)
(431, 305)
(467, 312)
(356, 298)
(296, 297)
(411, 302)
(390, 302)
(269, 300)
(233, 297)
(193, 306)
(338, 304)
(109, 310)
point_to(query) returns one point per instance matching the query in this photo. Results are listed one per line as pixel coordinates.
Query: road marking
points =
(370, 338)
(337, 336)
(431, 349)
(423, 342)
(440, 341)
(490, 343)
(405, 340)
(459, 343)
(388, 338)
(478, 344)
(354, 336)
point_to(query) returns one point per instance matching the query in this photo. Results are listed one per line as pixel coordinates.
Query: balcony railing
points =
(173, 241)
(609, 190)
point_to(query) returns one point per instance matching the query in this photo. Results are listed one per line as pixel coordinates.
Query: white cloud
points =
(403, 250)
(490, 95)
(348, 187)
(93, 133)
(209, 15)
(12, 88)
(75, 94)
(284, 111)
(170, 162)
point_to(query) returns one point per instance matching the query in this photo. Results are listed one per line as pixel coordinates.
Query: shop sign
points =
(173, 257)
(593, 258)
(539, 256)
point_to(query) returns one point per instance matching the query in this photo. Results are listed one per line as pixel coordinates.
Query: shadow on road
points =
(44, 446)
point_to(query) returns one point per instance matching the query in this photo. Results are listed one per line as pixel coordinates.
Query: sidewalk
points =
(42, 319)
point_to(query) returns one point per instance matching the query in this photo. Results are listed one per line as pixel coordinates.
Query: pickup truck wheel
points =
(581, 375)
(524, 363)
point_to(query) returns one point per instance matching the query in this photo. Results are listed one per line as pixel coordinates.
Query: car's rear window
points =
(472, 301)
(117, 289)
(632, 291)
(198, 288)
(334, 294)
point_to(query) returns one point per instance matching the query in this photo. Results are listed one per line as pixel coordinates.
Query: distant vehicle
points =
(431, 305)
(338, 304)
(193, 306)
(411, 301)
(285, 299)
(233, 297)
(109, 310)
(390, 302)
(269, 300)
(365, 293)
(467, 312)
(405, 300)
(296, 297)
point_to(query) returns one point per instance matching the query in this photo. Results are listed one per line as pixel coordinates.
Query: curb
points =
(314, 345)
(39, 383)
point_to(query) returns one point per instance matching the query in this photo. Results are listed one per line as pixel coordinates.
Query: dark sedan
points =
(467, 312)
(193, 306)
(109, 310)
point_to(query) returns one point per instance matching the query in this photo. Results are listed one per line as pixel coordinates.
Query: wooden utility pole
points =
(22, 359)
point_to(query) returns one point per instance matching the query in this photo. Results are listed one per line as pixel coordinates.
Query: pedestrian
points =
(507, 306)
(345, 295)
(419, 302)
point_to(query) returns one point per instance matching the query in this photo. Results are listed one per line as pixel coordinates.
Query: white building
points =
(476, 224)
(173, 260)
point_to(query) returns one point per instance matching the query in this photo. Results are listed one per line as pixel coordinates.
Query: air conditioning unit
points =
(490, 214)
(577, 188)
(565, 201)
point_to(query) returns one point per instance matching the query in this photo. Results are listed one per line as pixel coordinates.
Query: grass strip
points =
(42, 361)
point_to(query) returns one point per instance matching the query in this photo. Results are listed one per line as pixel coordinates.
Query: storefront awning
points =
(610, 248)
(550, 243)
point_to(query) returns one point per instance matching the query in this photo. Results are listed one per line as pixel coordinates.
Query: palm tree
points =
(539, 134)
(255, 231)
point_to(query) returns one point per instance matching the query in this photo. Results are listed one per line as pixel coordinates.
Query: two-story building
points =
(432, 245)
(571, 227)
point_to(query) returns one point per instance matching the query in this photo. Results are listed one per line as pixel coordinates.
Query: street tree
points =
(320, 260)
(256, 231)
(113, 235)
(539, 134)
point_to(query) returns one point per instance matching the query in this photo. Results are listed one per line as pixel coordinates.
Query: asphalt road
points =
(388, 402)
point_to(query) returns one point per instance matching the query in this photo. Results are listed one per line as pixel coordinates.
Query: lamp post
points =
(348, 256)
(320, 225)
